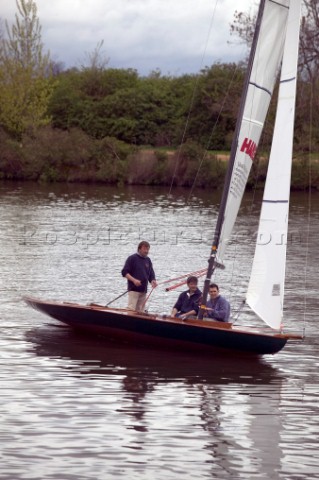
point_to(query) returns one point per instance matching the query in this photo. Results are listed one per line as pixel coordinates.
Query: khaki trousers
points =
(136, 301)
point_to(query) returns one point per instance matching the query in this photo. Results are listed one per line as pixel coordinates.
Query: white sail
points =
(265, 70)
(266, 288)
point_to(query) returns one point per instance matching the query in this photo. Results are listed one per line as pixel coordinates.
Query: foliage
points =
(104, 124)
(214, 111)
(244, 23)
(57, 155)
(97, 59)
(111, 158)
(25, 82)
(307, 103)
(244, 26)
(149, 110)
(195, 167)
(309, 41)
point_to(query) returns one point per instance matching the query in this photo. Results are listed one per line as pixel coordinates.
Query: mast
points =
(221, 214)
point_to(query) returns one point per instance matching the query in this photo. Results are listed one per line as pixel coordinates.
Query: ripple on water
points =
(78, 408)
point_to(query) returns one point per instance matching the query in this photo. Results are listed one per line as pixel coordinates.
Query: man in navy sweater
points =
(217, 307)
(138, 270)
(187, 304)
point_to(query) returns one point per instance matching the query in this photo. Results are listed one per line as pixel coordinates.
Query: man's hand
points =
(134, 280)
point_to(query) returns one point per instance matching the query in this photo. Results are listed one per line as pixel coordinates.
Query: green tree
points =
(244, 24)
(215, 106)
(26, 83)
(307, 107)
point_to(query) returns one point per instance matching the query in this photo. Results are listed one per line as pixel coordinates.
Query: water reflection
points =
(99, 357)
(231, 400)
(106, 411)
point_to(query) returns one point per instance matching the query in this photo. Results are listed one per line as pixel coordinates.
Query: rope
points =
(122, 295)
(168, 289)
(197, 273)
(148, 296)
(183, 276)
(243, 303)
(211, 135)
(309, 209)
(192, 99)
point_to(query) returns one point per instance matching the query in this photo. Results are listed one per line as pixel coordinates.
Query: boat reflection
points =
(92, 356)
(226, 407)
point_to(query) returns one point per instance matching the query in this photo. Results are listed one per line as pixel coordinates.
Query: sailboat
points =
(274, 51)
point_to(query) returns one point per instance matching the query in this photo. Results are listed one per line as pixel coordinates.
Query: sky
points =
(173, 36)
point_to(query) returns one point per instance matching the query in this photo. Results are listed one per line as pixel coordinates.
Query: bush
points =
(54, 155)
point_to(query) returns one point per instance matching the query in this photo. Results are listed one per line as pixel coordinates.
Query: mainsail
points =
(265, 70)
(266, 287)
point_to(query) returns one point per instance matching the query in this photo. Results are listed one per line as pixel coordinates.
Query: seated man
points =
(218, 308)
(187, 304)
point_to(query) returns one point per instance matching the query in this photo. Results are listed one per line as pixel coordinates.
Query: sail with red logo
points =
(265, 67)
(265, 293)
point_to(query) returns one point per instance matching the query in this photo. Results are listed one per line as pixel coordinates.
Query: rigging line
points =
(236, 278)
(309, 206)
(192, 99)
(184, 282)
(183, 276)
(147, 298)
(241, 307)
(232, 277)
(256, 164)
(211, 135)
(122, 295)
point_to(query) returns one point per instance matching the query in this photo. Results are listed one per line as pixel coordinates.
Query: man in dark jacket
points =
(138, 270)
(217, 307)
(187, 304)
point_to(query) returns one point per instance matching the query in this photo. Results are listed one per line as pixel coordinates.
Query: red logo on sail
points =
(249, 147)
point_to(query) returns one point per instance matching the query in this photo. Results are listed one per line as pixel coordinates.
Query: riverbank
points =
(54, 155)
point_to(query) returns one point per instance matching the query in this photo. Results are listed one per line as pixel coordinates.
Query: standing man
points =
(138, 270)
(218, 308)
(187, 304)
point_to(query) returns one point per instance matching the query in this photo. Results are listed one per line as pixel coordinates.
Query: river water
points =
(75, 407)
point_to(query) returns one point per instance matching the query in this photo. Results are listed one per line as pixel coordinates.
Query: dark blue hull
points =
(190, 335)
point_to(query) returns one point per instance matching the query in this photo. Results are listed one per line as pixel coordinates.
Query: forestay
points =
(265, 69)
(266, 288)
